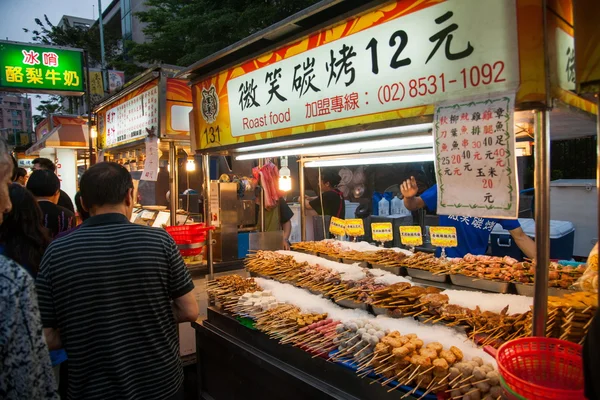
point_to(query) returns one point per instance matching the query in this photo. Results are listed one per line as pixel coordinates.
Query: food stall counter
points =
(264, 369)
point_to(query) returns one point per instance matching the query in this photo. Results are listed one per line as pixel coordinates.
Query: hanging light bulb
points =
(285, 179)
(190, 166)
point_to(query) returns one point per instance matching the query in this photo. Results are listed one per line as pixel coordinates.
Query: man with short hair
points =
(25, 368)
(64, 200)
(115, 306)
(45, 186)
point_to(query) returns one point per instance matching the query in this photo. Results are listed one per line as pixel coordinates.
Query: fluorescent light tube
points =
(341, 137)
(410, 142)
(420, 156)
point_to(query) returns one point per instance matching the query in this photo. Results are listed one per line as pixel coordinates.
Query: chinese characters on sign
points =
(382, 231)
(133, 119)
(150, 172)
(443, 51)
(355, 227)
(565, 59)
(443, 236)
(475, 158)
(337, 226)
(33, 67)
(411, 235)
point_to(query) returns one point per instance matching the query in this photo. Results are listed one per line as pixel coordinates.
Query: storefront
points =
(64, 140)
(145, 127)
(453, 82)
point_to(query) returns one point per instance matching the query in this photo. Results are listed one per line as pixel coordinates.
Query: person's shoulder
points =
(64, 210)
(149, 231)
(12, 276)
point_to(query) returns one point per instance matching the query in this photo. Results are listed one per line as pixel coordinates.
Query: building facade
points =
(15, 118)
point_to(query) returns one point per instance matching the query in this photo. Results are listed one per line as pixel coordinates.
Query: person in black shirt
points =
(44, 185)
(64, 200)
(333, 200)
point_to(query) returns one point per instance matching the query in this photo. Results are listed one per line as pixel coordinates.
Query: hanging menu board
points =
(475, 158)
(133, 119)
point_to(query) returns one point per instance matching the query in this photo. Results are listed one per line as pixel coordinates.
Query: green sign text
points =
(40, 69)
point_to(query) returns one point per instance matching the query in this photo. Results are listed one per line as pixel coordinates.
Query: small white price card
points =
(147, 214)
(150, 172)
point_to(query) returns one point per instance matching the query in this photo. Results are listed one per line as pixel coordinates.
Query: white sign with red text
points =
(151, 164)
(451, 50)
(476, 164)
(134, 119)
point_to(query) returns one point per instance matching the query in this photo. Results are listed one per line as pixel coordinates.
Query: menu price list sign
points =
(134, 119)
(443, 236)
(337, 226)
(475, 158)
(382, 231)
(411, 236)
(355, 227)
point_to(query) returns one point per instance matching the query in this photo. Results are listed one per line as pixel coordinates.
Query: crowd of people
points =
(85, 315)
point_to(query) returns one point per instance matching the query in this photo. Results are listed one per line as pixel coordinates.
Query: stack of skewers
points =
(396, 300)
(225, 291)
(405, 360)
(389, 357)
(570, 316)
(428, 262)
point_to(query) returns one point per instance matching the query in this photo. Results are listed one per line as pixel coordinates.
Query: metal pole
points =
(542, 220)
(173, 182)
(598, 159)
(88, 100)
(302, 204)
(207, 217)
(103, 66)
(261, 209)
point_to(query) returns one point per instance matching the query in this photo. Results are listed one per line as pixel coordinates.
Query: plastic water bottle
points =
(384, 207)
(397, 206)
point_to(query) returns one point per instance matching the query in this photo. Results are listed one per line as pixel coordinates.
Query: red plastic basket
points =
(540, 368)
(189, 238)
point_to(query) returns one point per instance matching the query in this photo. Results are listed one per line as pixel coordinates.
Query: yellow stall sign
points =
(382, 231)
(411, 236)
(355, 227)
(443, 236)
(337, 226)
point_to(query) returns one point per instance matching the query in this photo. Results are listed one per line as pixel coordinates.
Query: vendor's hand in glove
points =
(409, 188)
